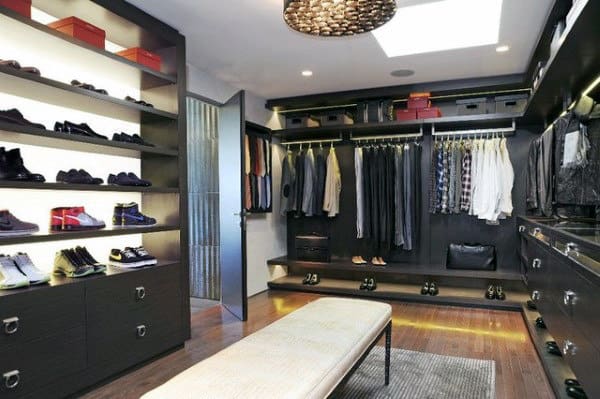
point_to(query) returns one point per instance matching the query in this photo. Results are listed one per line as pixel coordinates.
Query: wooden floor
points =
(474, 333)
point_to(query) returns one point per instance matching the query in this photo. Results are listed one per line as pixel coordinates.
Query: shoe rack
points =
(75, 333)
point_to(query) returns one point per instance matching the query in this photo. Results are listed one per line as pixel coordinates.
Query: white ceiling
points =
(247, 44)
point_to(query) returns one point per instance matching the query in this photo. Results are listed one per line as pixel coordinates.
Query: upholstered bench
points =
(305, 354)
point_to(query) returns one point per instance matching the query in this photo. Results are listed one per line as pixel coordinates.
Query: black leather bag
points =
(312, 248)
(471, 257)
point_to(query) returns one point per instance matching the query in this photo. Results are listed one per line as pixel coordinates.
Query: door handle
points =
(537, 263)
(536, 295)
(569, 298)
(11, 325)
(11, 379)
(141, 331)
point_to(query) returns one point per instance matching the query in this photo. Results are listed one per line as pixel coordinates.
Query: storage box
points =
(418, 102)
(406, 114)
(426, 113)
(81, 30)
(23, 7)
(141, 56)
(301, 121)
(511, 104)
(336, 118)
(471, 106)
(374, 111)
(312, 248)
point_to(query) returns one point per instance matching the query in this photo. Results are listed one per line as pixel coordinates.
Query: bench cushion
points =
(305, 354)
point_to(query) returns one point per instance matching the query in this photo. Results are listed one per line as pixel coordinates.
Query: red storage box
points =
(81, 30)
(142, 56)
(406, 114)
(432, 112)
(23, 7)
(418, 102)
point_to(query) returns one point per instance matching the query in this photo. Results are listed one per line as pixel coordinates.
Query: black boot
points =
(15, 170)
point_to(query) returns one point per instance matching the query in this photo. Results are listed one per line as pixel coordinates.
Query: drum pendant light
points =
(337, 17)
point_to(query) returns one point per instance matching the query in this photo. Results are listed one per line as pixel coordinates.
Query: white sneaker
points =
(11, 275)
(26, 266)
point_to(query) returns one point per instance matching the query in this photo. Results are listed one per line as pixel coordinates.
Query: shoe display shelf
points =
(82, 331)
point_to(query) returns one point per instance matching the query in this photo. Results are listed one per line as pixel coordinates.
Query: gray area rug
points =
(420, 375)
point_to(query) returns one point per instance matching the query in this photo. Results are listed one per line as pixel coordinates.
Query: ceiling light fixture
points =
(307, 73)
(463, 23)
(337, 17)
(502, 49)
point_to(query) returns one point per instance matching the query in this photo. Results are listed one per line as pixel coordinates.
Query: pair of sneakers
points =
(311, 279)
(76, 262)
(19, 271)
(131, 257)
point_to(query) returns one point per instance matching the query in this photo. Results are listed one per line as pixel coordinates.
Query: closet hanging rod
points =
(510, 130)
(388, 136)
(312, 141)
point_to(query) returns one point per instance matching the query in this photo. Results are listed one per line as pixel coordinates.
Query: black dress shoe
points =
(576, 392)
(539, 322)
(372, 285)
(10, 63)
(315, 279)
(364, 284)
(307, 278)
(14, 116)
(531, 305)
(140, 182)
(491, 292)
(425, 288)
(571, 382)
(139, 140)
(12, 167)
(31, 70)
(74, 176)
(81, 129)
(433, 289)
(500, 295)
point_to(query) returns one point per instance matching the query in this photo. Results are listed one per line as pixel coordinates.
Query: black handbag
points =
(471, 257)
(312, 248)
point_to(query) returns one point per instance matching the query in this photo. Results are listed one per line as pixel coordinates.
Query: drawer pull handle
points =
(569, 348)
(569, 298)
(140, 293)
(11, 325)
(11, 379)
(537, 263)
(521, 229)
(536, 295)
(141, 331)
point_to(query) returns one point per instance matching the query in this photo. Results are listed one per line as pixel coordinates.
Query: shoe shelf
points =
(557, 370)
(455, 296)
(108, 231)
(59, 93)
(395, 269)
(85, 187)
(56, 281)
(66, 141)
(564, 75)
(444, 122)
(149, 78)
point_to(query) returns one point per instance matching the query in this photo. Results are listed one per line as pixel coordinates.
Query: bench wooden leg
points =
(388, 347)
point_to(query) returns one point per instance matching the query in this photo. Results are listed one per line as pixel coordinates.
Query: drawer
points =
(578, 351)
(24, 316)
(41, 362)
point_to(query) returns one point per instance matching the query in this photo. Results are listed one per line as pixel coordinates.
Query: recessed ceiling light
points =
(307, 73)
(502, 49)
(464, 23)
(402, 73)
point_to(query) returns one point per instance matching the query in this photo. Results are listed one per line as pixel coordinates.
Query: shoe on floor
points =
(358, 260)
(433, 289)
(372, 285)
(315, 279)
(364, 284)
(499, 293)
(307, 278)
(11, 226)
(26, 266)
(491, 292)
(576, 392)
(130, 215)
(125, 258)
(425, 288)
(10, 275)
(65, 264)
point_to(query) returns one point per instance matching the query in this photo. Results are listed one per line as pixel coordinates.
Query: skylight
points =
(441, 25)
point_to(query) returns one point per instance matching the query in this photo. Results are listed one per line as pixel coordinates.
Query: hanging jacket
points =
(299, 166)
(321, 171)
(308, 193)
(287, 184)
(333, 185)
(358, 174)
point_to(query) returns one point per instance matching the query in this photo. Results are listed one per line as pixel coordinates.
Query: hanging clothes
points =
(358, 175)
(433, 178)
(286, 201)
(408, 196)
(367, 205)
(333, 185)
(465, 195)
(321, 171)
(299, 167)
(308, 192)
(458, 158)
(399, 196)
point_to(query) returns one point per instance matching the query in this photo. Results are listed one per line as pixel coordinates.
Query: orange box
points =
(418, 102)
(425, 113)
(23, 7)
(81, 30)
(141, 56)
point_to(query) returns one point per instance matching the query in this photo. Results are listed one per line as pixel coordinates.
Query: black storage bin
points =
(471, 257)
(313, 248)
(472, 106)
(336, 118)
(293, 121)
(511, 104)
(374, 111)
